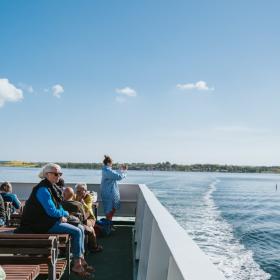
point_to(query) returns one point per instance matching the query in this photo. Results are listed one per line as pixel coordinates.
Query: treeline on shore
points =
(161, 166)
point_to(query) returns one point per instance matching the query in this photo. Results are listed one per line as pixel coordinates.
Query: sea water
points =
(234, 218)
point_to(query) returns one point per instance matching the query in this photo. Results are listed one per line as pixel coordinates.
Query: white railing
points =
(129, 194)
(163, 248)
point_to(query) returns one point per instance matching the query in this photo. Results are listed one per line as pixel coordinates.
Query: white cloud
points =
(200, 85)
(57, 90)
(127, 91)
(8, 92)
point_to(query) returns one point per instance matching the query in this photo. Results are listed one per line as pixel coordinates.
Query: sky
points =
(184, 81)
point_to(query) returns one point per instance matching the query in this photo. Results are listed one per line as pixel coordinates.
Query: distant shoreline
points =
(163, 166)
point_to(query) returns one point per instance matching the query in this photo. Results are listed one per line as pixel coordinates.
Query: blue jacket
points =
(11, 197)
(110, 192)
(42, 209)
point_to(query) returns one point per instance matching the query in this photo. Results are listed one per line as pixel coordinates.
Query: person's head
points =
(107, 161)
(68, 193)
(6, 187)
(81, 189)
(51, 172)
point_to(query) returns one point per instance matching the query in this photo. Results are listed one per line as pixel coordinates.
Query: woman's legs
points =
(109, 216)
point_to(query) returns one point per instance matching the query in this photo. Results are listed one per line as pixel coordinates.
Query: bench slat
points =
(60, 267)
(63, 238)
(26, 242)
(21, 272)
(25, 251)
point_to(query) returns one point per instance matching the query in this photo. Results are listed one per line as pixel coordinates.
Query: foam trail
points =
(215, 236)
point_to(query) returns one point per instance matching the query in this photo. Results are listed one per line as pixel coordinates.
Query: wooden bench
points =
(63, 265)
(38, 249)
(12, 218)
(8, 211)
(21, 272)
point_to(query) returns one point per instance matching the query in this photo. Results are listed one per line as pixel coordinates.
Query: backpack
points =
(103, 227)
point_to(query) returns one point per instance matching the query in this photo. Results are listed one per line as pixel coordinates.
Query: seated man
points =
(6, 192)
(76, 208)
(73, 207)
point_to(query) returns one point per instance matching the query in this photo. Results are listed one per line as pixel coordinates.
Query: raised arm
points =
(114, 175)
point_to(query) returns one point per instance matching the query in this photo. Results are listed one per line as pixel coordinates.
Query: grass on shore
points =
(17, 163)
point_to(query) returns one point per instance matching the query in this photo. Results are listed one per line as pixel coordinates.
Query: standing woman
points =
(110, 192)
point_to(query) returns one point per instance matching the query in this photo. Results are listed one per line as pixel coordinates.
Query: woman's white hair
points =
(49, 167)
(81, 185)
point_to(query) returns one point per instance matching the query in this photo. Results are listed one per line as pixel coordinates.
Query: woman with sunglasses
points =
(85, 198)
(43, 213)
(110, 192)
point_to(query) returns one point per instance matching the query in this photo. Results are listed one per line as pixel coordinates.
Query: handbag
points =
(73, 220)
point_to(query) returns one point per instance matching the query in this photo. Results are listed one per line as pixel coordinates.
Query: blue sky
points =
(143, 81)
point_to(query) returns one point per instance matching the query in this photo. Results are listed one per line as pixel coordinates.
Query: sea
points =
(234, 218)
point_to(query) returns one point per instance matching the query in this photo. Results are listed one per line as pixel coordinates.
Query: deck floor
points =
(115, 261)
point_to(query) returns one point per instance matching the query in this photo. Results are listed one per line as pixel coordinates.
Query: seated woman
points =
(2, 212)
(6, 192)
(43, 213)
(76, 208)
(84, 197)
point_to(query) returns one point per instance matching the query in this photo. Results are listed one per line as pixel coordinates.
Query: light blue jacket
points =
(110, 192)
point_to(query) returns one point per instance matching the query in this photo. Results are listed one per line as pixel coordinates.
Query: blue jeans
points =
(77, 235)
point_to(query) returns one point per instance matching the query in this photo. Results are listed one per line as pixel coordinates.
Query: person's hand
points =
(63, 220)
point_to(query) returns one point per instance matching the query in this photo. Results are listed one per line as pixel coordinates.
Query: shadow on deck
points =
(116, 260)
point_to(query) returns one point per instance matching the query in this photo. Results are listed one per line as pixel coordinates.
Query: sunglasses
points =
(56, 174)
